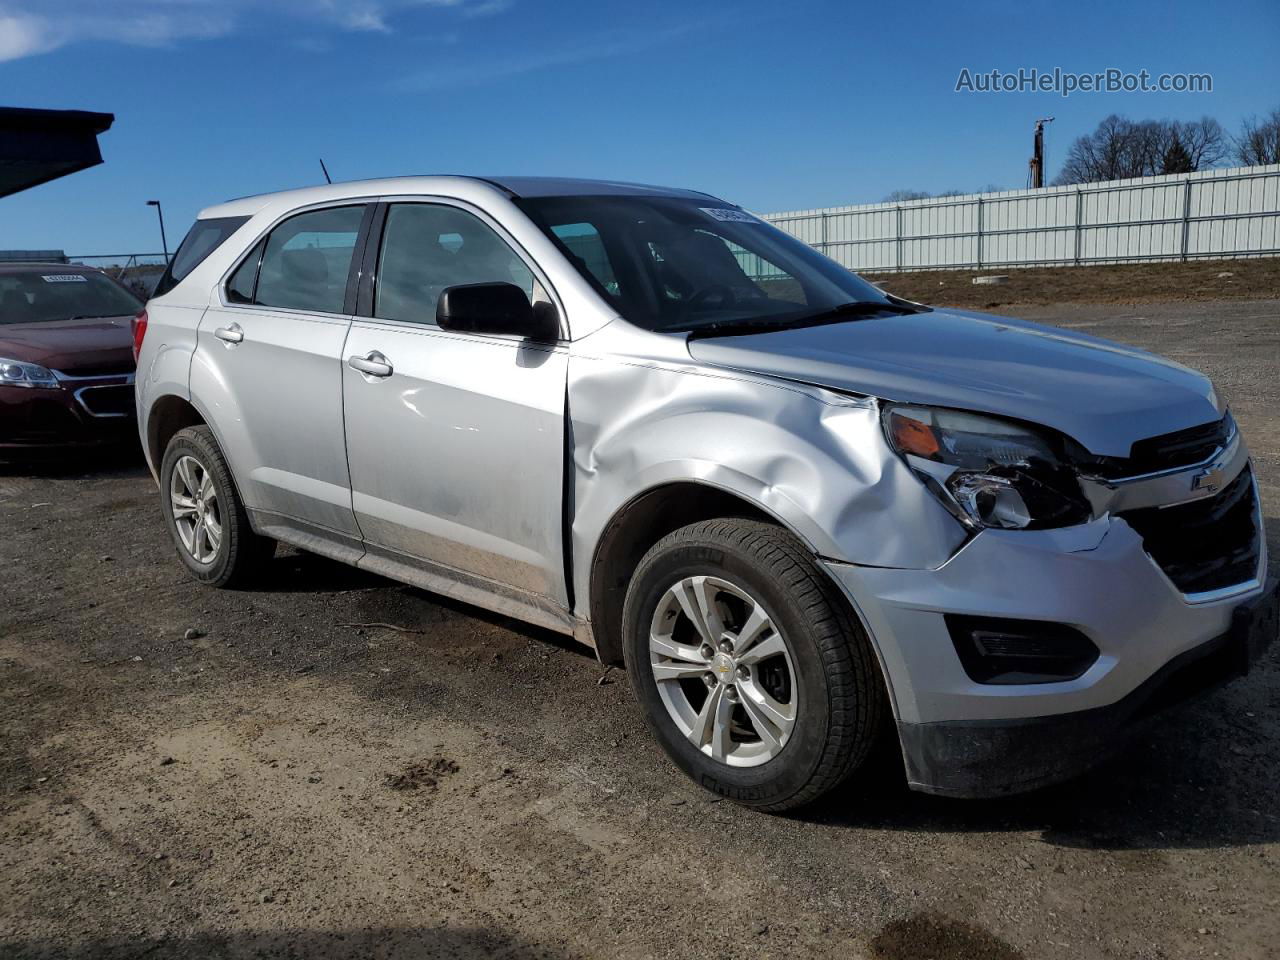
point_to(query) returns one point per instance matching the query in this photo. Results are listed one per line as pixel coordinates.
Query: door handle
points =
(231, 334)
(372, 364)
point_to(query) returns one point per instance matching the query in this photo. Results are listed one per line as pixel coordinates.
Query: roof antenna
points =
(327, 178)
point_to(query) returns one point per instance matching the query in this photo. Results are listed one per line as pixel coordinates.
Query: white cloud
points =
(28, 29)
(474, 71)
(23, 36)
(486, 8)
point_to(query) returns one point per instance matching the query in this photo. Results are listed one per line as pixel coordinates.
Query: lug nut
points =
(744, 673)
(732, 693)
(726, 646)
(709, 679)
(707, 651)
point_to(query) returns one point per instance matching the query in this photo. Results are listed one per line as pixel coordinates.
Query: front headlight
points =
(16, 373)
(988, 472)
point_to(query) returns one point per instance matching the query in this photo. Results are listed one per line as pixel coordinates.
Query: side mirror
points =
(496, 308)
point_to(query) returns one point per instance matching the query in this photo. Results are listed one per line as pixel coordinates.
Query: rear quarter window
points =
(305, 262)
(204, 237)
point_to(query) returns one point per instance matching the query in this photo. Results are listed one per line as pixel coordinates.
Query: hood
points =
(100, 345)
(1102, 394)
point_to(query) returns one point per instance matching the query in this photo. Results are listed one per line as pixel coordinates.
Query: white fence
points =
(1215, 213)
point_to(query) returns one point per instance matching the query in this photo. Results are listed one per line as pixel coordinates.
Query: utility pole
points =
(164, 244)
(1036, 175)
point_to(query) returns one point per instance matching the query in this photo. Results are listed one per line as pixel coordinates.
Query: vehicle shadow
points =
(122, 460)
(295, 571)
(1194, 779)
(409, 943)
(1197, 776)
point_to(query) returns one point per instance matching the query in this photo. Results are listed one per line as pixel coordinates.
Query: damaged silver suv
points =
(808, 517)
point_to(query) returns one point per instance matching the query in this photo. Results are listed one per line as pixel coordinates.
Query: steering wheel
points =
(717, 295)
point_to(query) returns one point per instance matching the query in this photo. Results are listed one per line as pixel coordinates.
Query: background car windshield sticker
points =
(65, 278)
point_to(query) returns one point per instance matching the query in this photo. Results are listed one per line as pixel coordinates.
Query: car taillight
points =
(139, 331)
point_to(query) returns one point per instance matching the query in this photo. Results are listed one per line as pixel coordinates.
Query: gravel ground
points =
(190, 773)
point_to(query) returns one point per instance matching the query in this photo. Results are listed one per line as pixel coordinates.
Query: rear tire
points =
(204, 513)
(788, 702)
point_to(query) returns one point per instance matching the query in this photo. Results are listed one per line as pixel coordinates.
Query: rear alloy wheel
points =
(209, 524)
(756, 678)
(197, 515)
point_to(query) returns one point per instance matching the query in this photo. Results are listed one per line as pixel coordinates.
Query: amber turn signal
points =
(912, 436)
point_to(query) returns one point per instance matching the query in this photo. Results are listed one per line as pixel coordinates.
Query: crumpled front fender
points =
(815, 460)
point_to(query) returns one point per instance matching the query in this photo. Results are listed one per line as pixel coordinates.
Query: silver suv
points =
(809, 517)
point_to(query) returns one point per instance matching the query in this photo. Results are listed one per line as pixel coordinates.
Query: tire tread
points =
(857, 702)
(247, 551)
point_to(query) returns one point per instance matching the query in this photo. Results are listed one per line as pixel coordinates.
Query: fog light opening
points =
(997, 651)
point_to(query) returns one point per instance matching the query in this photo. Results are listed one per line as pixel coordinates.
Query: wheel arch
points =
(640, 523)
(166, 416)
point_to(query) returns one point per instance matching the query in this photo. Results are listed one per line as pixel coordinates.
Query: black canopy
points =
(37, 146)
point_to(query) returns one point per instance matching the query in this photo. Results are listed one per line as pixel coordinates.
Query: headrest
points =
(14, 300)
(306, 265)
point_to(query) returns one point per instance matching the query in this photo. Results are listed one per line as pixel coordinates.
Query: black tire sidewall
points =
(193, 442)
(792, 769)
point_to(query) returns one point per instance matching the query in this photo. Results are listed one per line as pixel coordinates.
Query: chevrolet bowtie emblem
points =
(1209, 480)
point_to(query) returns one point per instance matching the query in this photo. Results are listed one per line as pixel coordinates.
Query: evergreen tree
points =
(1176, 158)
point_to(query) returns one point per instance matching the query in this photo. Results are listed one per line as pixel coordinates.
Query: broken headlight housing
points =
(987, 471)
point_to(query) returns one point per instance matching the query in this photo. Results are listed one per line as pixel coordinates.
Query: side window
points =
(202, 239)
(427, 247)
(240, 286)
(583, 241)
(307, 259)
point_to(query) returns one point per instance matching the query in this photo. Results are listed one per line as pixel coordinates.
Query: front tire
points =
(755, 677)
(204, 513)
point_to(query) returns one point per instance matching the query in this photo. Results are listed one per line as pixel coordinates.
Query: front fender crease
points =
(815, 461)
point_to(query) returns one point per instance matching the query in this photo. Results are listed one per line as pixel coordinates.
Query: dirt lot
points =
(1256, 279)
(283, 783)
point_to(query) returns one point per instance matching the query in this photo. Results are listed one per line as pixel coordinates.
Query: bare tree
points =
(1259, 140)
(1120, 148)
(1205, 141)
(902, 196)
(1105, 154)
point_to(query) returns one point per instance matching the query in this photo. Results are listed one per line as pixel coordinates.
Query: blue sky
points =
(774, 106)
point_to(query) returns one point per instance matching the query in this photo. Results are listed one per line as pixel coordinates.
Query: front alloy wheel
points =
(723, 671)
(755, 676)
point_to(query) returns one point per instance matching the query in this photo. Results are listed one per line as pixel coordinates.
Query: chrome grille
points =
(115, 400)
(1168, 451)
(1207, 544)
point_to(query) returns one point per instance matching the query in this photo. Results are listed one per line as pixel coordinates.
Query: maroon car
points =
(66, 358)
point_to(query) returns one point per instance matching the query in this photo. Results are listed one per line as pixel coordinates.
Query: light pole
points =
(164, 244)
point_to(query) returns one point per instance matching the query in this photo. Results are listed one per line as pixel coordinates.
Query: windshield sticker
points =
(728, 215)
(65, 278)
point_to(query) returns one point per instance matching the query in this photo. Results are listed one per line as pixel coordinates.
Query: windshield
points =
(669, 263)
(40, 296)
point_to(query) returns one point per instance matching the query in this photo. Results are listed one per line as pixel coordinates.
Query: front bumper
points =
(979, 758)
(82, 412)
(964, 738)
